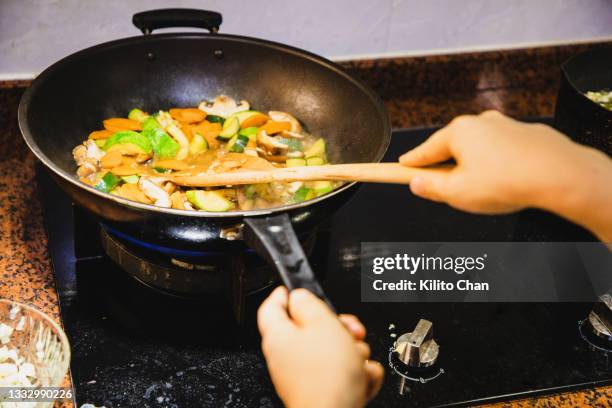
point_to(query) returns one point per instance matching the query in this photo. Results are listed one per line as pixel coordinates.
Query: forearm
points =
(584, 196)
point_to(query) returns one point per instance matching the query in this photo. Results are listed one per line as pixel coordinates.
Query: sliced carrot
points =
(271, 127)
(119, 124)
(187, 130)
(188, 115)
(100, 134)
(171, 164)
(208, 131)
(111, 159)
(126, 170)
(254, 121)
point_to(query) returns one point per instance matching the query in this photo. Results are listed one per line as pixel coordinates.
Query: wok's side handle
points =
(273, 238)
(147, 21)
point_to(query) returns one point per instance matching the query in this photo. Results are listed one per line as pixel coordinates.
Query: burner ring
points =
(178, 277)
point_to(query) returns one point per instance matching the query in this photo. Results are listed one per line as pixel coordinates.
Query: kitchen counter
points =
(417, 92)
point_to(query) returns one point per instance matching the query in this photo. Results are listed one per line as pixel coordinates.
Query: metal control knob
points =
(600, 319)
(418, 349)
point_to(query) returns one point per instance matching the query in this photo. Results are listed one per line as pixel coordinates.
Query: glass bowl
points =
(39, 345)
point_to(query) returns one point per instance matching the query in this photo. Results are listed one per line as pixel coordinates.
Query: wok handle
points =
(147, 21)
(273, 238)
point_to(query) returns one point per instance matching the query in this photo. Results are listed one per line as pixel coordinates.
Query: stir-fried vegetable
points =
(130, 156)
(604, 98)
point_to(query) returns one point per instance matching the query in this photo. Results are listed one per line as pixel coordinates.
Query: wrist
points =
(582, 192)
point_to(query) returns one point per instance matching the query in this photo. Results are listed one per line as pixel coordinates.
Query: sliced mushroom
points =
(88, 151)
(173, 128)
(79, 153)
(156, 193)
(270, 144)
(223, 106)
(86, 170)
(179, 201)
(87, 157)
(169, 187)
(285, 117)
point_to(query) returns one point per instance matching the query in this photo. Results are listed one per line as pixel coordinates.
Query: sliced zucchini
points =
(296, 162)
(230, 127)
(108, 182)
(133, 179)
(303, 194)
(250, 191)
(237, 143)
(315, 161)
(322, 187)
(209, 200)
(316, 150)
(249, 132)
(139, 143)
(294, 145)
(215, 119)
(198, 144)
(138, 115)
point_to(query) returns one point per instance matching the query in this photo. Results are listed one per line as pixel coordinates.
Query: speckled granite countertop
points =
(417, 92)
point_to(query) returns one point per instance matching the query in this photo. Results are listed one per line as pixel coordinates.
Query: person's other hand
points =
(316, 358)
(503, 165)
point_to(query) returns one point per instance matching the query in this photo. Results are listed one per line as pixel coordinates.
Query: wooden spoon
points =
(393, 173)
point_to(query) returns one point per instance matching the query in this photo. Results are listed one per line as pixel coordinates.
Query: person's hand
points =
(503, 165)
(316, 358)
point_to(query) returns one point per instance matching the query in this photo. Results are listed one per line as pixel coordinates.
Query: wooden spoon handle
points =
(393, 173)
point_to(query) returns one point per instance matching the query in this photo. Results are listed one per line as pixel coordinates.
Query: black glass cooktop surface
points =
(135, 346)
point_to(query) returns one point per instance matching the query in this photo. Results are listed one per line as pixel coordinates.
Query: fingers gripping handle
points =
(274, 238)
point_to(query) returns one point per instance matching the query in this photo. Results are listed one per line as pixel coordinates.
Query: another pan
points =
(71, 98)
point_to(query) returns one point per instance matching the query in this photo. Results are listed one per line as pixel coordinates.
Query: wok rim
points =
(50, 165)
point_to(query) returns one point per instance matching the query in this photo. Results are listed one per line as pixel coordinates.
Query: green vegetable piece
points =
(296, 162)
(215, 119)
(322, 187)
(108, 182)
(316, 150)
(237, 143)
(250, 191)
(164, 147)
(249, 132)
(133, 179)
(208, 200)
(101, 142)
(303, 194)
(294, 145)
(150, 123)
(315, 161)
(136, 139)
(198, 144)
(137, 114)
(230, 127)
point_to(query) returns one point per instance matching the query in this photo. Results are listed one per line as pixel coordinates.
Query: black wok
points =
(71, 98)
(576, 115)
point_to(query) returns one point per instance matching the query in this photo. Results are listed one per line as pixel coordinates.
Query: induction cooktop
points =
(133, 345)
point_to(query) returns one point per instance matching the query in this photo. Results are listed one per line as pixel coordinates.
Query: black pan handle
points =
(274, 238)
(147, 21)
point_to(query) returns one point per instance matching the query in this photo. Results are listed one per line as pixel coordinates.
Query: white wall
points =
(35, 33)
